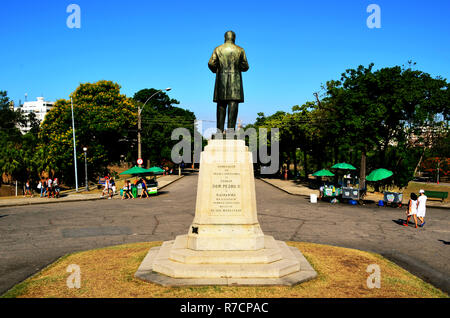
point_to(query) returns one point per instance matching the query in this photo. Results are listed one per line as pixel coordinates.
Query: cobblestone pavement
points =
(33, 236)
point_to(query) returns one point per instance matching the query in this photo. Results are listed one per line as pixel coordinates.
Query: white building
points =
(40, 107)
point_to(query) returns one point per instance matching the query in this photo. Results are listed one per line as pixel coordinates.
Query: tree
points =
(159, 118)
(389, 118)
(103, 119)
(11, 150)
(377, 110)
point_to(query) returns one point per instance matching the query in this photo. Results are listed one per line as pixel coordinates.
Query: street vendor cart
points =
(331, 192)
(351, 193)
(393, 198)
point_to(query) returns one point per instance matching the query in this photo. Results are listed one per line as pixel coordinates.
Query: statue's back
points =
(229, 56)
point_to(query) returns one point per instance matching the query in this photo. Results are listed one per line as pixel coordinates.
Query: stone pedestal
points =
(225, 244)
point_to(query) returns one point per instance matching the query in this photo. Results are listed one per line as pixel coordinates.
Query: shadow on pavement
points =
(399, 221)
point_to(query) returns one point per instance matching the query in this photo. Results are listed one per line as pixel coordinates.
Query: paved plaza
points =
(33, 236)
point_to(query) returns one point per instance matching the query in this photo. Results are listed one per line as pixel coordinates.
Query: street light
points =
(74, 147)
(85, 168)
(139, 120)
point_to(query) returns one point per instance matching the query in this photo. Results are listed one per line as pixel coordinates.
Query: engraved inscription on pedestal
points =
(226, 192)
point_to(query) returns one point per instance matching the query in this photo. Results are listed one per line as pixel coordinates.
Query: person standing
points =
(412, 209)
(127, 191)
(421, 207)
(44, 185)
(106, 188)
(321, 188)
(49, 187)
(28, 189)
(112, 187)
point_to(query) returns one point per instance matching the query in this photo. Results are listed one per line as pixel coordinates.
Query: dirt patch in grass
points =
(109, 272)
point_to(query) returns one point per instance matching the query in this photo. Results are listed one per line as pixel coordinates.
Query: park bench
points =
(437, 194)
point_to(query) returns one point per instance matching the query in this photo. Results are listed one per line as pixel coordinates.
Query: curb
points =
(71, 200)
(49, 202)
(181, 177)
(421, 270)
(288, 192)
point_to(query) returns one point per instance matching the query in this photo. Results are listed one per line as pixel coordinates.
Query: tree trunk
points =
(420, 161)
(362, 171)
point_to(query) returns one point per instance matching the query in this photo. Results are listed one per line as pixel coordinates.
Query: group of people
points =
(127, 192)
(416, 208)
(48, 187)
(127, 189)
(110, 187)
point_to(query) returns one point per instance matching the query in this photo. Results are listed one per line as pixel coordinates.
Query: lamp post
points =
(139, 120)
(74, 147)
(85, 168)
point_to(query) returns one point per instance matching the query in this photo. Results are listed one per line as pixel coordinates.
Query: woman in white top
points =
(412, 210)
(56, 187)
(421, 207)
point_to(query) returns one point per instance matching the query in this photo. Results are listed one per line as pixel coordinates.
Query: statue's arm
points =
(243, 65)
(213, 62)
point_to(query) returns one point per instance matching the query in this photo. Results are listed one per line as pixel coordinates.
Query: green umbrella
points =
(343, 166)
(135, 170)
(155, 170)
(379, 174)
(323, 173)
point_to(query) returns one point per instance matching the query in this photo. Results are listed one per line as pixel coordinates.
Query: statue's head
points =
(230, 36)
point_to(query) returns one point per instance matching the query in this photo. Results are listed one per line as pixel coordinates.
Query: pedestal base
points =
(173, 264)
(225, 244)
(225, 237)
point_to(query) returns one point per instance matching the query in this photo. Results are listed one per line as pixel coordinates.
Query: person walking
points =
(40, 187)
(144, 188)
(412, 210)
(421, 207)
(56, 187)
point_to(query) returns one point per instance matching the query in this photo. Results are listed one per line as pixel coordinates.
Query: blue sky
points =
(292, 46)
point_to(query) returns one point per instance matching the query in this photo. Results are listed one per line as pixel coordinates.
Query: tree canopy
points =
(105, 123)
(159, 118)
(391, 117)
(103, 118)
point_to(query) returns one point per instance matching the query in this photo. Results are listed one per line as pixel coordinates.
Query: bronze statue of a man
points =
(228, 61)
